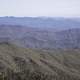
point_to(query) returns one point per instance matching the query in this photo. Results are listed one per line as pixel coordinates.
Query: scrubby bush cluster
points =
(35, 75)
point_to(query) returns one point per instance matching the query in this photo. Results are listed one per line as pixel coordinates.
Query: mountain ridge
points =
(30, 37)
(40, 22)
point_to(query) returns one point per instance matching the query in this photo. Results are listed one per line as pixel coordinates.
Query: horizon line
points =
(44, 16)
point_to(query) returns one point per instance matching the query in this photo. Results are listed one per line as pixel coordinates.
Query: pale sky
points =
(52, 8)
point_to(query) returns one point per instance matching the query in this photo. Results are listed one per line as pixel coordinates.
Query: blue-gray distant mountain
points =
(42, 22)
(40, 38)
(68, 39)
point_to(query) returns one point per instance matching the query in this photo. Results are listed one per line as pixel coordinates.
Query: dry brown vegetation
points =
(36, 64)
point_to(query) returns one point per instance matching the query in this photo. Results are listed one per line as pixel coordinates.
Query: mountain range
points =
(39, 48)
(42, 22)
(32, 37)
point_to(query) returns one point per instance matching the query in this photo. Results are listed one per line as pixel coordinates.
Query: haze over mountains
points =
(41, 32)
(42, 22)
(39, 48)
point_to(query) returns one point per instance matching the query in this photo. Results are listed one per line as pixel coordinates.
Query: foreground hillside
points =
(18, 63)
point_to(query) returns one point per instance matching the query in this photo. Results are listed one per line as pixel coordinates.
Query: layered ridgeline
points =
(34, 52)
(37, 53)
(30, 37)
(18, 63)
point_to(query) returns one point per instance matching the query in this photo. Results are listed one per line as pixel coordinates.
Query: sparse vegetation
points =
(18, 63)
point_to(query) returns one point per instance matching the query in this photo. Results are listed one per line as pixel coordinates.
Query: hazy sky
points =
(62, 8)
